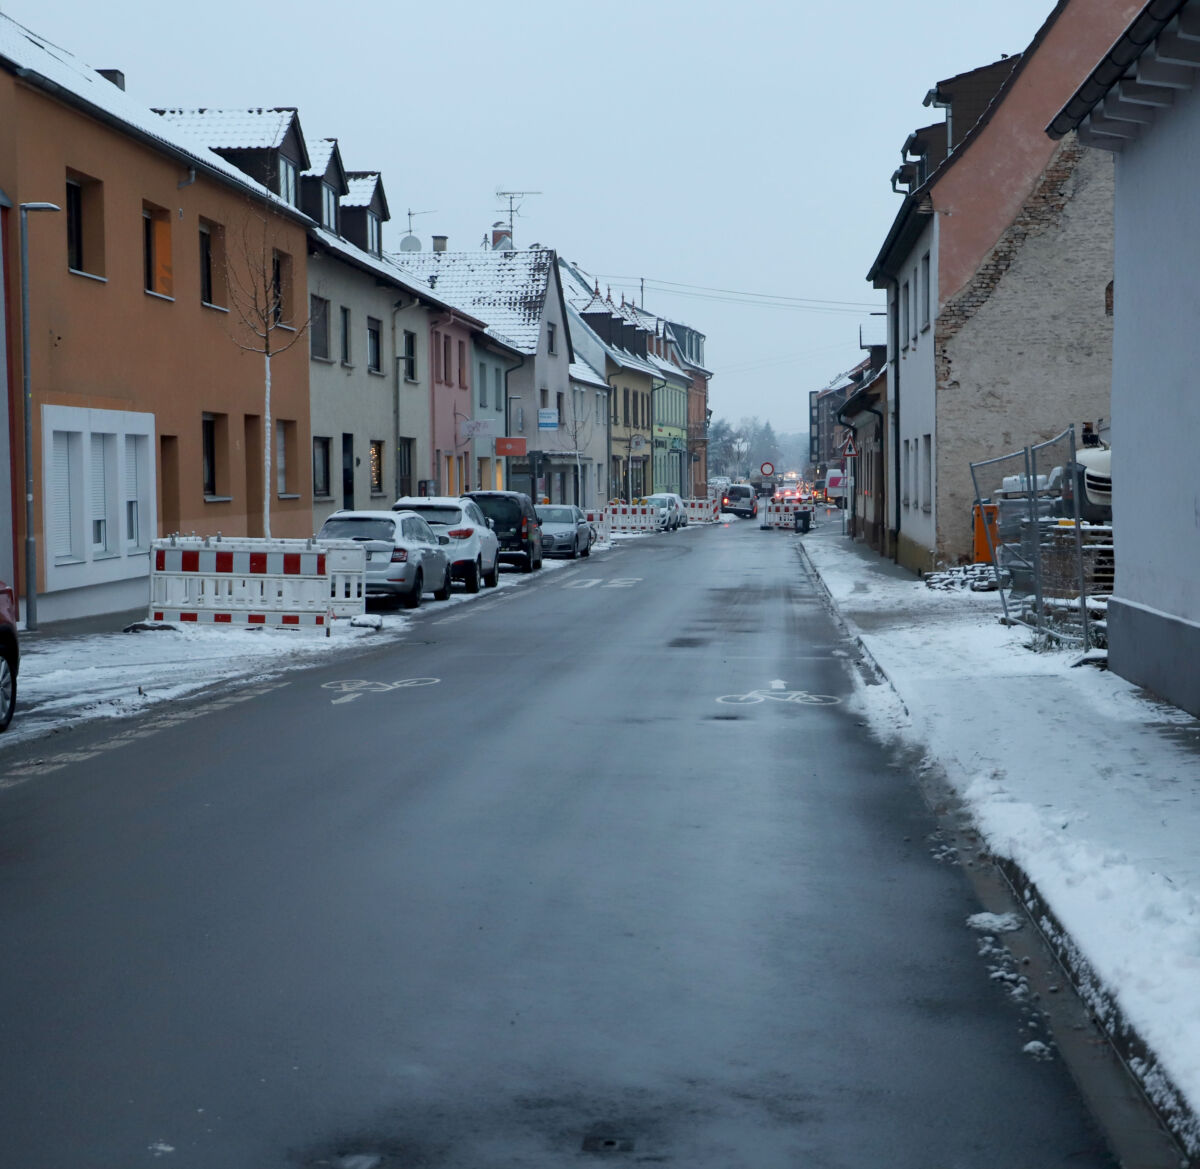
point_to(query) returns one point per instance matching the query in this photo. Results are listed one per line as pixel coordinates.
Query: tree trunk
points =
(267, 436)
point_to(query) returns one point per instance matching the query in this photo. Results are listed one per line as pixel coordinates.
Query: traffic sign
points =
(767, 468)
(850, 451)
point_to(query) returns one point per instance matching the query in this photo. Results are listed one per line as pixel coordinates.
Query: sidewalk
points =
(1086, 790)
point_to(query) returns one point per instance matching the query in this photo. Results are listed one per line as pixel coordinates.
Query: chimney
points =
(439, 243)
(501, 238)
(113, 75)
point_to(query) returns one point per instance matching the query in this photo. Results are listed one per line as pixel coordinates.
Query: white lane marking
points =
(353, 688)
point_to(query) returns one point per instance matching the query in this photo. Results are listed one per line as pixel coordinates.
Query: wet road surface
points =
(560, 906)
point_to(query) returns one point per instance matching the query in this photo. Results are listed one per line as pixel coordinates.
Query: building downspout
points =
(508, 458)
(894, 341)
(398, 306)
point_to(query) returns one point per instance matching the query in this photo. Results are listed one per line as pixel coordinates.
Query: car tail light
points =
(399, 555)
(461, 533)
(724, 500)
(524, 527)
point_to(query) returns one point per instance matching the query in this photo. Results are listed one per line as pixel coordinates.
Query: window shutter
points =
(131, 468)
(98, 510)
(60, 487)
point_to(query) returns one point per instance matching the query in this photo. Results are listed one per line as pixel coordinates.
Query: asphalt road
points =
(560, 906)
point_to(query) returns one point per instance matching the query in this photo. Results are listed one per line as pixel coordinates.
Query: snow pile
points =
(1089, 785)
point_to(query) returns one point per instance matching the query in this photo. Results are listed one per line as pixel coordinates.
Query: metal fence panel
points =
(1054, 568)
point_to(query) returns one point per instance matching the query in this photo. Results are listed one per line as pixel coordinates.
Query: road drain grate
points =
(607, 1144)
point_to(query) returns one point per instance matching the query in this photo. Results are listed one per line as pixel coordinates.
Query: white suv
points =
(474, 550)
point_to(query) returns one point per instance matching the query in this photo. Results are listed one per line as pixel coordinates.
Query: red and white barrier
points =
(781, 513)
(632, 517)
(703, 511)
(598, 518)
(255, 582)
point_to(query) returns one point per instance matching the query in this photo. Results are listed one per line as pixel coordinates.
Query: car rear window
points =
(506, 512)
(556, 515)
(437, 515)
(357, 528)
(738, 490)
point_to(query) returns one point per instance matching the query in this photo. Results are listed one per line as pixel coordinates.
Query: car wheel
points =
(575, 549)
(8, 691)
(474, 576)
(529, 560)
(587, 550)
(540, 560)
(492, 579)
(413, 600)
(443, 594)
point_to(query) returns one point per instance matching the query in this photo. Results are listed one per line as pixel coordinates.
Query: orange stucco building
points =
(148, 388)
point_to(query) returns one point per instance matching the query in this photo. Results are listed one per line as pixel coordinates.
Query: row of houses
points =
(218, 342)
(1040, 271)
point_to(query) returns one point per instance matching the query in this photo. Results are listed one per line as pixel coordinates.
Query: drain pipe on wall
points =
(894, 361)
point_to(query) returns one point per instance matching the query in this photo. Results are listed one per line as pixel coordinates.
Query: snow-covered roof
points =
(319, 154)
(581, 371)
(259, 129)
(874, 333)
(381, 267)
(362, 184)
(45, 65)
(506, 289)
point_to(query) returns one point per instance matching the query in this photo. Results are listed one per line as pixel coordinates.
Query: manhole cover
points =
(607, 1144)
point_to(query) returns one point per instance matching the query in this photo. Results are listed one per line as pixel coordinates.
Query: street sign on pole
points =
(767, 468)
(850, 451)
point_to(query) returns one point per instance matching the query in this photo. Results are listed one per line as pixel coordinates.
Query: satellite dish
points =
(410, 243)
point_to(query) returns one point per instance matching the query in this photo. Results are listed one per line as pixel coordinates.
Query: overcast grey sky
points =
(745, 146)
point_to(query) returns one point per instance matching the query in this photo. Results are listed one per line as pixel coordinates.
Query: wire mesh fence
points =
(1049, 540)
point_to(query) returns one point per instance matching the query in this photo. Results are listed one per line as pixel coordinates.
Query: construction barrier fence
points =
(246, 581)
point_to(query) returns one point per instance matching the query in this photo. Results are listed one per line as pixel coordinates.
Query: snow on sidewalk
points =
(1090, 785)
(68, 680)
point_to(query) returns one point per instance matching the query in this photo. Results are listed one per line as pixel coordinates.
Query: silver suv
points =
(740, 499)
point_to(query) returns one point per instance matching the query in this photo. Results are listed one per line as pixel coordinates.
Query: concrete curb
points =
(1162, 1096)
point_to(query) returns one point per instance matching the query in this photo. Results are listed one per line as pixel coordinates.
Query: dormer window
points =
(374, 237)
(329, 206)
(287, 180)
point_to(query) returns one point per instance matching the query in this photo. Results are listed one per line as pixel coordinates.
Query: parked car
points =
(10, 655)
(671, 512)
(474, 550)
(516, 525)
(565, 530)
(405, 557)
(740, 499)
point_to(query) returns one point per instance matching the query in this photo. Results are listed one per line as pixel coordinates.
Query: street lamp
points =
(30, 541)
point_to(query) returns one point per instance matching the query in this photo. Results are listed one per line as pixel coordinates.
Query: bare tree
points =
(577, 427)
(259, 280)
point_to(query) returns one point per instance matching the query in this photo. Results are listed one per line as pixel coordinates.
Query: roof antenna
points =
(410, 243)
(514, 207)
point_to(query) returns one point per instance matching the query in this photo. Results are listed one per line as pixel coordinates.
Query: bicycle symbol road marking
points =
(353, 688)
(774, 694)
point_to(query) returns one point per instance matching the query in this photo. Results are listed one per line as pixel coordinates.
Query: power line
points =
(668, 285)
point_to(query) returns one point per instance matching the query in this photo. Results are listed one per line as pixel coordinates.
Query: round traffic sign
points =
(767, 468)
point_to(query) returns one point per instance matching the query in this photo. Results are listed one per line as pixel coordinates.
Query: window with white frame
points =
(374, 345)
(99, 496)
(99, 503)
(374, 234)
(904, 315)
(410, 356)
(329, 207)
(287, 180)
(320, 467)
(927, 472)
(925, 293)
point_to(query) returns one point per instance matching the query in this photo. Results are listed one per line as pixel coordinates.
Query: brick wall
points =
(1025, 348)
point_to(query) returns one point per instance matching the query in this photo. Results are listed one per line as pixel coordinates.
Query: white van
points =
(837, 486)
